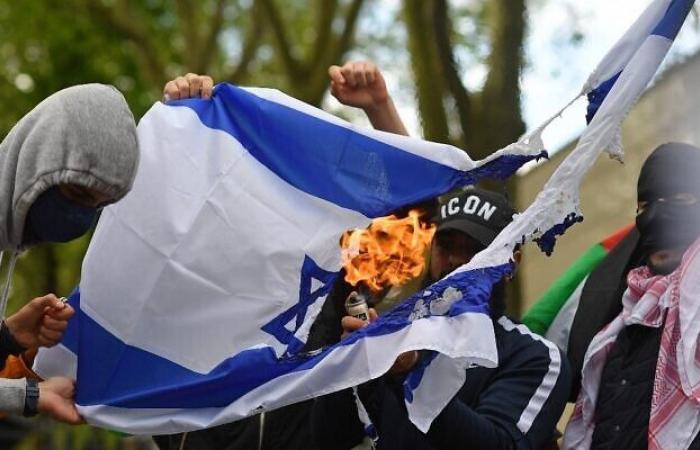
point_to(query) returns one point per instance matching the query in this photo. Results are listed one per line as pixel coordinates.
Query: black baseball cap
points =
(479, 213)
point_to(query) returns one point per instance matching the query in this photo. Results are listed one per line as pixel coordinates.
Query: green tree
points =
(285, 44)
(484, 120)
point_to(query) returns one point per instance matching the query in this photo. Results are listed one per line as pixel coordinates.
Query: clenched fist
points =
(40, 323)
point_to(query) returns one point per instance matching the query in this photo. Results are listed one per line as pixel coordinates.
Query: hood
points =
(83, 135)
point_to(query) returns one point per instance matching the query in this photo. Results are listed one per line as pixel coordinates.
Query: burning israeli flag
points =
(199, 288)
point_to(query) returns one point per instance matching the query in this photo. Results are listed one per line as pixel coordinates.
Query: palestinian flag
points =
(552, 314)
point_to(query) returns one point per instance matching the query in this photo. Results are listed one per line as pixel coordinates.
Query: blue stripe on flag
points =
(330, 161)
(672, 21)
(414, 377)
(668, 27)
(71, 336)
(548, 239)
(111, 372)
(597, 96)
(115, 373)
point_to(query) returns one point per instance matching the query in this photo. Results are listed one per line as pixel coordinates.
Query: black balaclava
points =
(665, 224)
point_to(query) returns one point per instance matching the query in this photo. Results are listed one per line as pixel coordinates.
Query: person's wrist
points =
(31, 399)
(379, 106)
(8, 341)
(404, 363)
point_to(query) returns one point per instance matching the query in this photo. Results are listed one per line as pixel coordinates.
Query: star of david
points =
(297, 313)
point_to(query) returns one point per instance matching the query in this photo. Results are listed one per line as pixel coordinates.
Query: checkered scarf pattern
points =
(671, 302)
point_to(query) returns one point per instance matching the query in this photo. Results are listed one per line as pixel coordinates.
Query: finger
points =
(373, 315)
(73, 417)
(350, 323)
(350, 65)
(64, 313)
(195, 82)
(45, 302)
(63, 385)
(360, 77)
(370, 72)
(183, 87)
(336, 75)
(53, 332)
(65, 411)
(77, 419)
(53, 324)
(46, 343)
(170, 91)
(207, 87)
(349, 75)
(335, 90)
(49, 336)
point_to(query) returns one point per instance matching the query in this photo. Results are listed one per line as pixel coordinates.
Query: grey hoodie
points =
(83, 135)
(12, 393)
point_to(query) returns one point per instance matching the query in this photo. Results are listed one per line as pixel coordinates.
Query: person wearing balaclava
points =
(633, 341)
(72, 154)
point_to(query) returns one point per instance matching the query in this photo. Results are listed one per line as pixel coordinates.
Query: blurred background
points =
(474, 73)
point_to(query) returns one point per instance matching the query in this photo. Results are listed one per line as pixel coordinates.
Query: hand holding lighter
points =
(356, 306)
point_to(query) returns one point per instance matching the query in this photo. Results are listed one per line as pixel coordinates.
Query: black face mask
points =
(666, 226)
(54, 218)
(667, 222)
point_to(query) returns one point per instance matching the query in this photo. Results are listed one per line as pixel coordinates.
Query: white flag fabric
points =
(199, 288)
(634, 59)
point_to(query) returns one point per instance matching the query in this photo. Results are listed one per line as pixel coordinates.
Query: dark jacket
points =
(515, 405)
(283, 429)
(600, 301)
(626, 385)
(627, 381)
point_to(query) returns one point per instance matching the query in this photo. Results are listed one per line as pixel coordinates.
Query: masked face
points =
(55, 218)
(670, 223)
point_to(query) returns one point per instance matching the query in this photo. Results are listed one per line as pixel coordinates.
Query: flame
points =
(388, 253)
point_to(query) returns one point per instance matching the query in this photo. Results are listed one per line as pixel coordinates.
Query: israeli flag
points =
(199, 288)
(634, 59)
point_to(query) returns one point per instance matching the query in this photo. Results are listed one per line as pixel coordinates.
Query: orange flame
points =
(388, 253)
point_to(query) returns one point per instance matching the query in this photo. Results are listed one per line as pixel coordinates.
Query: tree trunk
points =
(489, 119)
(426, 73)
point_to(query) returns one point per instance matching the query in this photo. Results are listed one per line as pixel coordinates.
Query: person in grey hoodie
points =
(72, 154)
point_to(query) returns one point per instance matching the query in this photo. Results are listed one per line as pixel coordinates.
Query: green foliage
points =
(41, 55)
(47, 268)
(49, 435)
